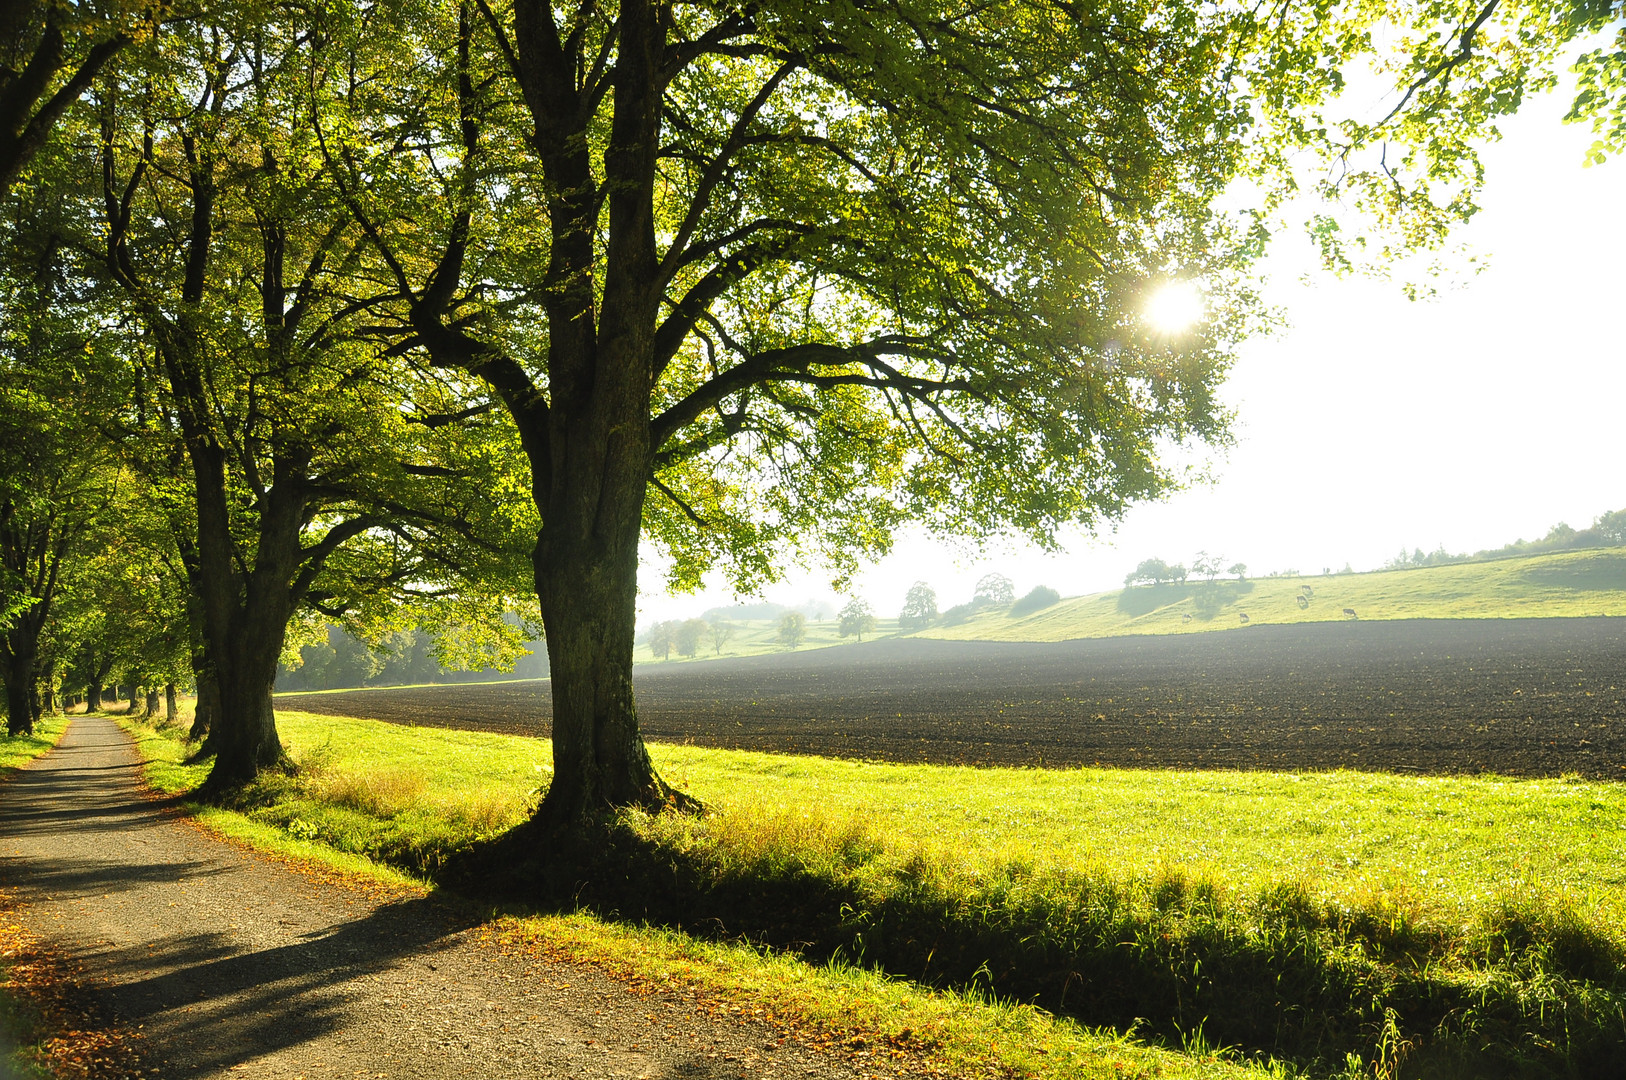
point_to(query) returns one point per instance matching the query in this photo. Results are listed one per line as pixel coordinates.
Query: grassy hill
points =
(1561, 584)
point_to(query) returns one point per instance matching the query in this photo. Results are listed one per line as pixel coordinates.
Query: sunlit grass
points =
(1373, 902)
(1454, 840)
(17, 750)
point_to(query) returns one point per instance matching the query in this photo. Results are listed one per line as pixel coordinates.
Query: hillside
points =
(1561, 584)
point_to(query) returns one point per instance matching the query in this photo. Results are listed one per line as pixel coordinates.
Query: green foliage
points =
(856, 619)
(662, 637)
(721, 633)
(994, 590)
(919, 607)
(690, 633)
(792, 629)
(1038, 598)
(1156, 572)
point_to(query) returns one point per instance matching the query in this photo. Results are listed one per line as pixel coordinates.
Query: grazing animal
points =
(1349, 612)
(1304, 602)
(1307, 591)
(1185, 618)
(1244, 616)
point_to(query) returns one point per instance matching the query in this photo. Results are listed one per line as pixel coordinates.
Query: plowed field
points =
(1526, 697)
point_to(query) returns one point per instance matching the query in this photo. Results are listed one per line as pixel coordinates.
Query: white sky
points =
(1374, 423)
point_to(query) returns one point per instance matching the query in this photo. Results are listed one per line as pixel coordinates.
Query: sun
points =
(1176, 307)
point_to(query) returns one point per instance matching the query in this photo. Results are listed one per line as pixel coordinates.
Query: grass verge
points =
(1328, 925)
(16, 750)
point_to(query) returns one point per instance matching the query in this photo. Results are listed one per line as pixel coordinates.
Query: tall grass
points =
(1527, 985)
(16, 750)
(1394, 926)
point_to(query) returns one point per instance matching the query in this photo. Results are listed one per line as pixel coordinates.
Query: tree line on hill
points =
(856, 619)
(1607, 530)
(404, 317)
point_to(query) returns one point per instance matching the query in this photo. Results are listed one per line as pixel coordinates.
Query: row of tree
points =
(1206, 566)
(413, 312)
(1607, 530)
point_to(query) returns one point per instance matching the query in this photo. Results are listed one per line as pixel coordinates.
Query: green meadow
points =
(1563, 584)
(1326, 924)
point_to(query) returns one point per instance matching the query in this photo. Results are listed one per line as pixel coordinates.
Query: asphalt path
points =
(229, 964)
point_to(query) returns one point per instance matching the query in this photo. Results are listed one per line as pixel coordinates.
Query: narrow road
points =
(229, 964)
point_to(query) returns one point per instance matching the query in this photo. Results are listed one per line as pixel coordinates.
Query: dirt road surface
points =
(231, 965)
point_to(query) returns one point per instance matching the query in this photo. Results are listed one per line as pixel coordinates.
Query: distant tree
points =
(919, 607)
(1041, 597)
(1209, 566)
(792, 629)
(1611, 527)
(994, 590)
(662, 636)
(721, 633)
(688, 636)
(856, 619)
(1240, 569)
(1156, 572)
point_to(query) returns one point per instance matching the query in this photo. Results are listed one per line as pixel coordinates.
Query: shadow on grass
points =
(1145, 599)
(1530, 990)
(1599, 573)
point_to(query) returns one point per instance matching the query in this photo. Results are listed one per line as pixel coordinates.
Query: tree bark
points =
(244, 735)
(205, 711)
(169, 703)
(588, 595)
(48, 693)
(152, 701)
(19, 676)
(93, 697)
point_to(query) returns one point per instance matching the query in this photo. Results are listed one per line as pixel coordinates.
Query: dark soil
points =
(1519, 697)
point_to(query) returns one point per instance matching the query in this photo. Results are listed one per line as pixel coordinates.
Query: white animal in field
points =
(1244, 617)
(1349, 613)
(1185, 618)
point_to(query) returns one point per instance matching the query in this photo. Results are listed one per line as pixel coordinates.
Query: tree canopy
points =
(397, 293)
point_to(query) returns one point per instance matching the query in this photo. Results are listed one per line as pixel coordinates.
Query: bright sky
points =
(1374, 423)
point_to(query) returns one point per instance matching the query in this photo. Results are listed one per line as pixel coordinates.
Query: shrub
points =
(1041, 597)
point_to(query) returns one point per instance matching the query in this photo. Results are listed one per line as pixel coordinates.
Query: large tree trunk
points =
(244, 734)
(245, 620)
(19, 683)
(588, 593)
(598, 446)
(48, 689)
(93, 696)
(151, 708)
(170, 709)
(205, 711)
